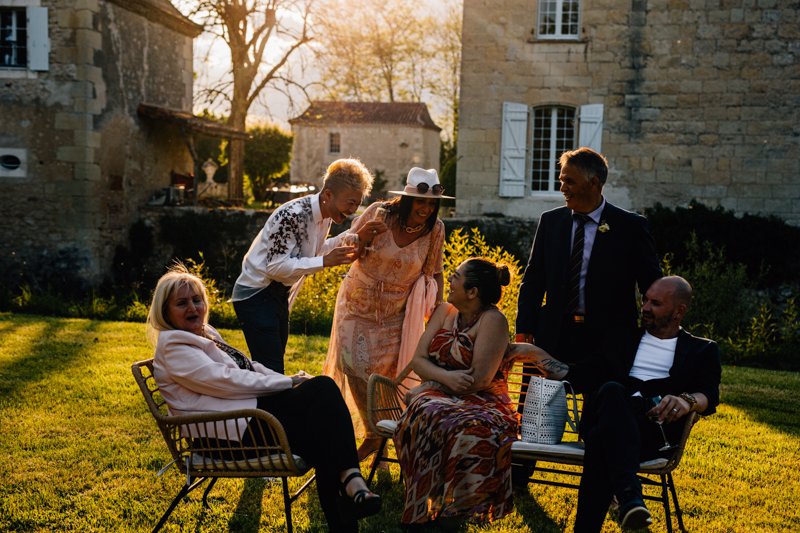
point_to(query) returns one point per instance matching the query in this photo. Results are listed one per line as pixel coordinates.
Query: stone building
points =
(389, 138)
(688, 100)
(79, 152)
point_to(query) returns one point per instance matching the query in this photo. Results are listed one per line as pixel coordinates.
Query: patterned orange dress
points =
(455, 451)
(369, 321)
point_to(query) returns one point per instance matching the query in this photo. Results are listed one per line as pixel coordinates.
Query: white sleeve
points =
(279, 241)
(189, 366)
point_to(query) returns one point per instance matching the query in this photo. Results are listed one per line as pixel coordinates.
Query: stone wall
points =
(223, 236)
(92, 162)
(394, 149)
(700, 100)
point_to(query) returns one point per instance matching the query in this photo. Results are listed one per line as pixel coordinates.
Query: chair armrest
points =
(384, 399)
(191, 434)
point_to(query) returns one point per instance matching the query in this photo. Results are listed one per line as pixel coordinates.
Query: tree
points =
(266, 158)
(390, 50)
(250, 29)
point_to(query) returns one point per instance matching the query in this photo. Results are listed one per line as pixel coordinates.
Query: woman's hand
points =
(370, 230)
(458, 381)
(300, 377)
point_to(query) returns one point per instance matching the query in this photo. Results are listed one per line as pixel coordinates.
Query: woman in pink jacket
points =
(197, 371)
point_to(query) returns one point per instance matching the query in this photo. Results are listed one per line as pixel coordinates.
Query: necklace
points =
(415, 229)
(462, 327)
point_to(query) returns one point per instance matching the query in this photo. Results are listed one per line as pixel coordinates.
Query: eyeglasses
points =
(437, 189)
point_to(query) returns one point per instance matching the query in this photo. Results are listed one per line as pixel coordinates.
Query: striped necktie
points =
(575, 263)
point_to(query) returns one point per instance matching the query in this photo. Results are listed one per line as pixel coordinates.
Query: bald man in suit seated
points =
(618, 428)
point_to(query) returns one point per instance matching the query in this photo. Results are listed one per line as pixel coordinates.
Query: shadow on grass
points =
(247, 515)
(533, 514)
(49, 354)
(768, 396)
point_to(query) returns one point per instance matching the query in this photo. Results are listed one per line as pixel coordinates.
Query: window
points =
(13, 162)
(533, 139)
(23, 37)
(334, 143)
(13, 38)
(559, 19)
(552, 133)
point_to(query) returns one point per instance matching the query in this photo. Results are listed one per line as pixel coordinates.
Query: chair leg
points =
(186, 489)
(302, 489)
(287, 504)
(377, 460)
(208, 489)
(665, 501)
(678, 511)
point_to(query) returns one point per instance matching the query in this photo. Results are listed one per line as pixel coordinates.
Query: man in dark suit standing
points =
(669, 373)
(577, 300)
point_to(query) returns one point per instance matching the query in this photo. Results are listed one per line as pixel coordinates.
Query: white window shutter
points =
(38, 41)
(590, 131)
(512, 149)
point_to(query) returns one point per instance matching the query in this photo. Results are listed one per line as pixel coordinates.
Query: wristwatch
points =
(690, 399)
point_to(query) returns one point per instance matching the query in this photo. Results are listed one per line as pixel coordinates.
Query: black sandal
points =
(363, 503)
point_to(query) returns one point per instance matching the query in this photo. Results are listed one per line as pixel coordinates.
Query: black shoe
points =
(634, 515)
(363, 503)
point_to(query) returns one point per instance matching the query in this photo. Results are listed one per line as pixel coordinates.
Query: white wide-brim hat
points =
(417, 176)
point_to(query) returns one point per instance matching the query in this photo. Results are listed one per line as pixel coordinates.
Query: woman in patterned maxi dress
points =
(454, 439)
(384, 299)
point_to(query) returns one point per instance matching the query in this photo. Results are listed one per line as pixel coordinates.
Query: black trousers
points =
(320, 430)
(618, 436)
(264, 319)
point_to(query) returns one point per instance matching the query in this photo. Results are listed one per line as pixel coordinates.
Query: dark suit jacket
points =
(622, 257)
(696, 368)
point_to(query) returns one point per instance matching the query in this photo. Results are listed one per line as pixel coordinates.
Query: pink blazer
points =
(195, 376)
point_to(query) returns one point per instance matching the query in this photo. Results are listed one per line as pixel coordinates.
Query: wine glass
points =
(350, 239)
(380, 216)
(652, 402)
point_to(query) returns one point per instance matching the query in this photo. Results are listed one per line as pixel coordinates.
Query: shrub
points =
(761, 244)
(722, 301)
(461, 245)
(313, 309)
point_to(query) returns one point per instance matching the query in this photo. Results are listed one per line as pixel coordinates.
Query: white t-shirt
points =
(654, 358)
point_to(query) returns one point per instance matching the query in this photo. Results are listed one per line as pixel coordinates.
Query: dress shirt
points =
(589, 233)
(288, 247)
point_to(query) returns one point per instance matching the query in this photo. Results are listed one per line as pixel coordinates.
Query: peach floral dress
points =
(371, 330)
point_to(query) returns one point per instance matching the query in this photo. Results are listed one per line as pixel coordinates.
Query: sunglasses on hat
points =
(437, 189)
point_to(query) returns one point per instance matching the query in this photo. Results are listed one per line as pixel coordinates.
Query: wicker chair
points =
(202, 458)
(385, 404)
(652, 473)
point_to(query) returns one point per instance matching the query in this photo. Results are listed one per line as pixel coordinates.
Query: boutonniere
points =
(603, 227)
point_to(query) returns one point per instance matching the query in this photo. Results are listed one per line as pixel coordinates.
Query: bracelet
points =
(690, 399)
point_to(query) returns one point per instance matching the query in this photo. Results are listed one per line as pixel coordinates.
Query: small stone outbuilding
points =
(78, 157)
(389, 138)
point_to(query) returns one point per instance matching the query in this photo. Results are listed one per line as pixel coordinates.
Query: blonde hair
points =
(348, 174)
(176, 277)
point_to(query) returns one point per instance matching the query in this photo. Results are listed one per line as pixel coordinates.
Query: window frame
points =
(37, 41)
(19, 46)
(334, 137)
(516, 144)
(554, 149)
(558, 24)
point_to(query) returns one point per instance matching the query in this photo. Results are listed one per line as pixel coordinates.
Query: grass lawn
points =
(82, 452)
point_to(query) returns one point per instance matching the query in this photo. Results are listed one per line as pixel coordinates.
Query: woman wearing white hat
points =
(389, 291)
